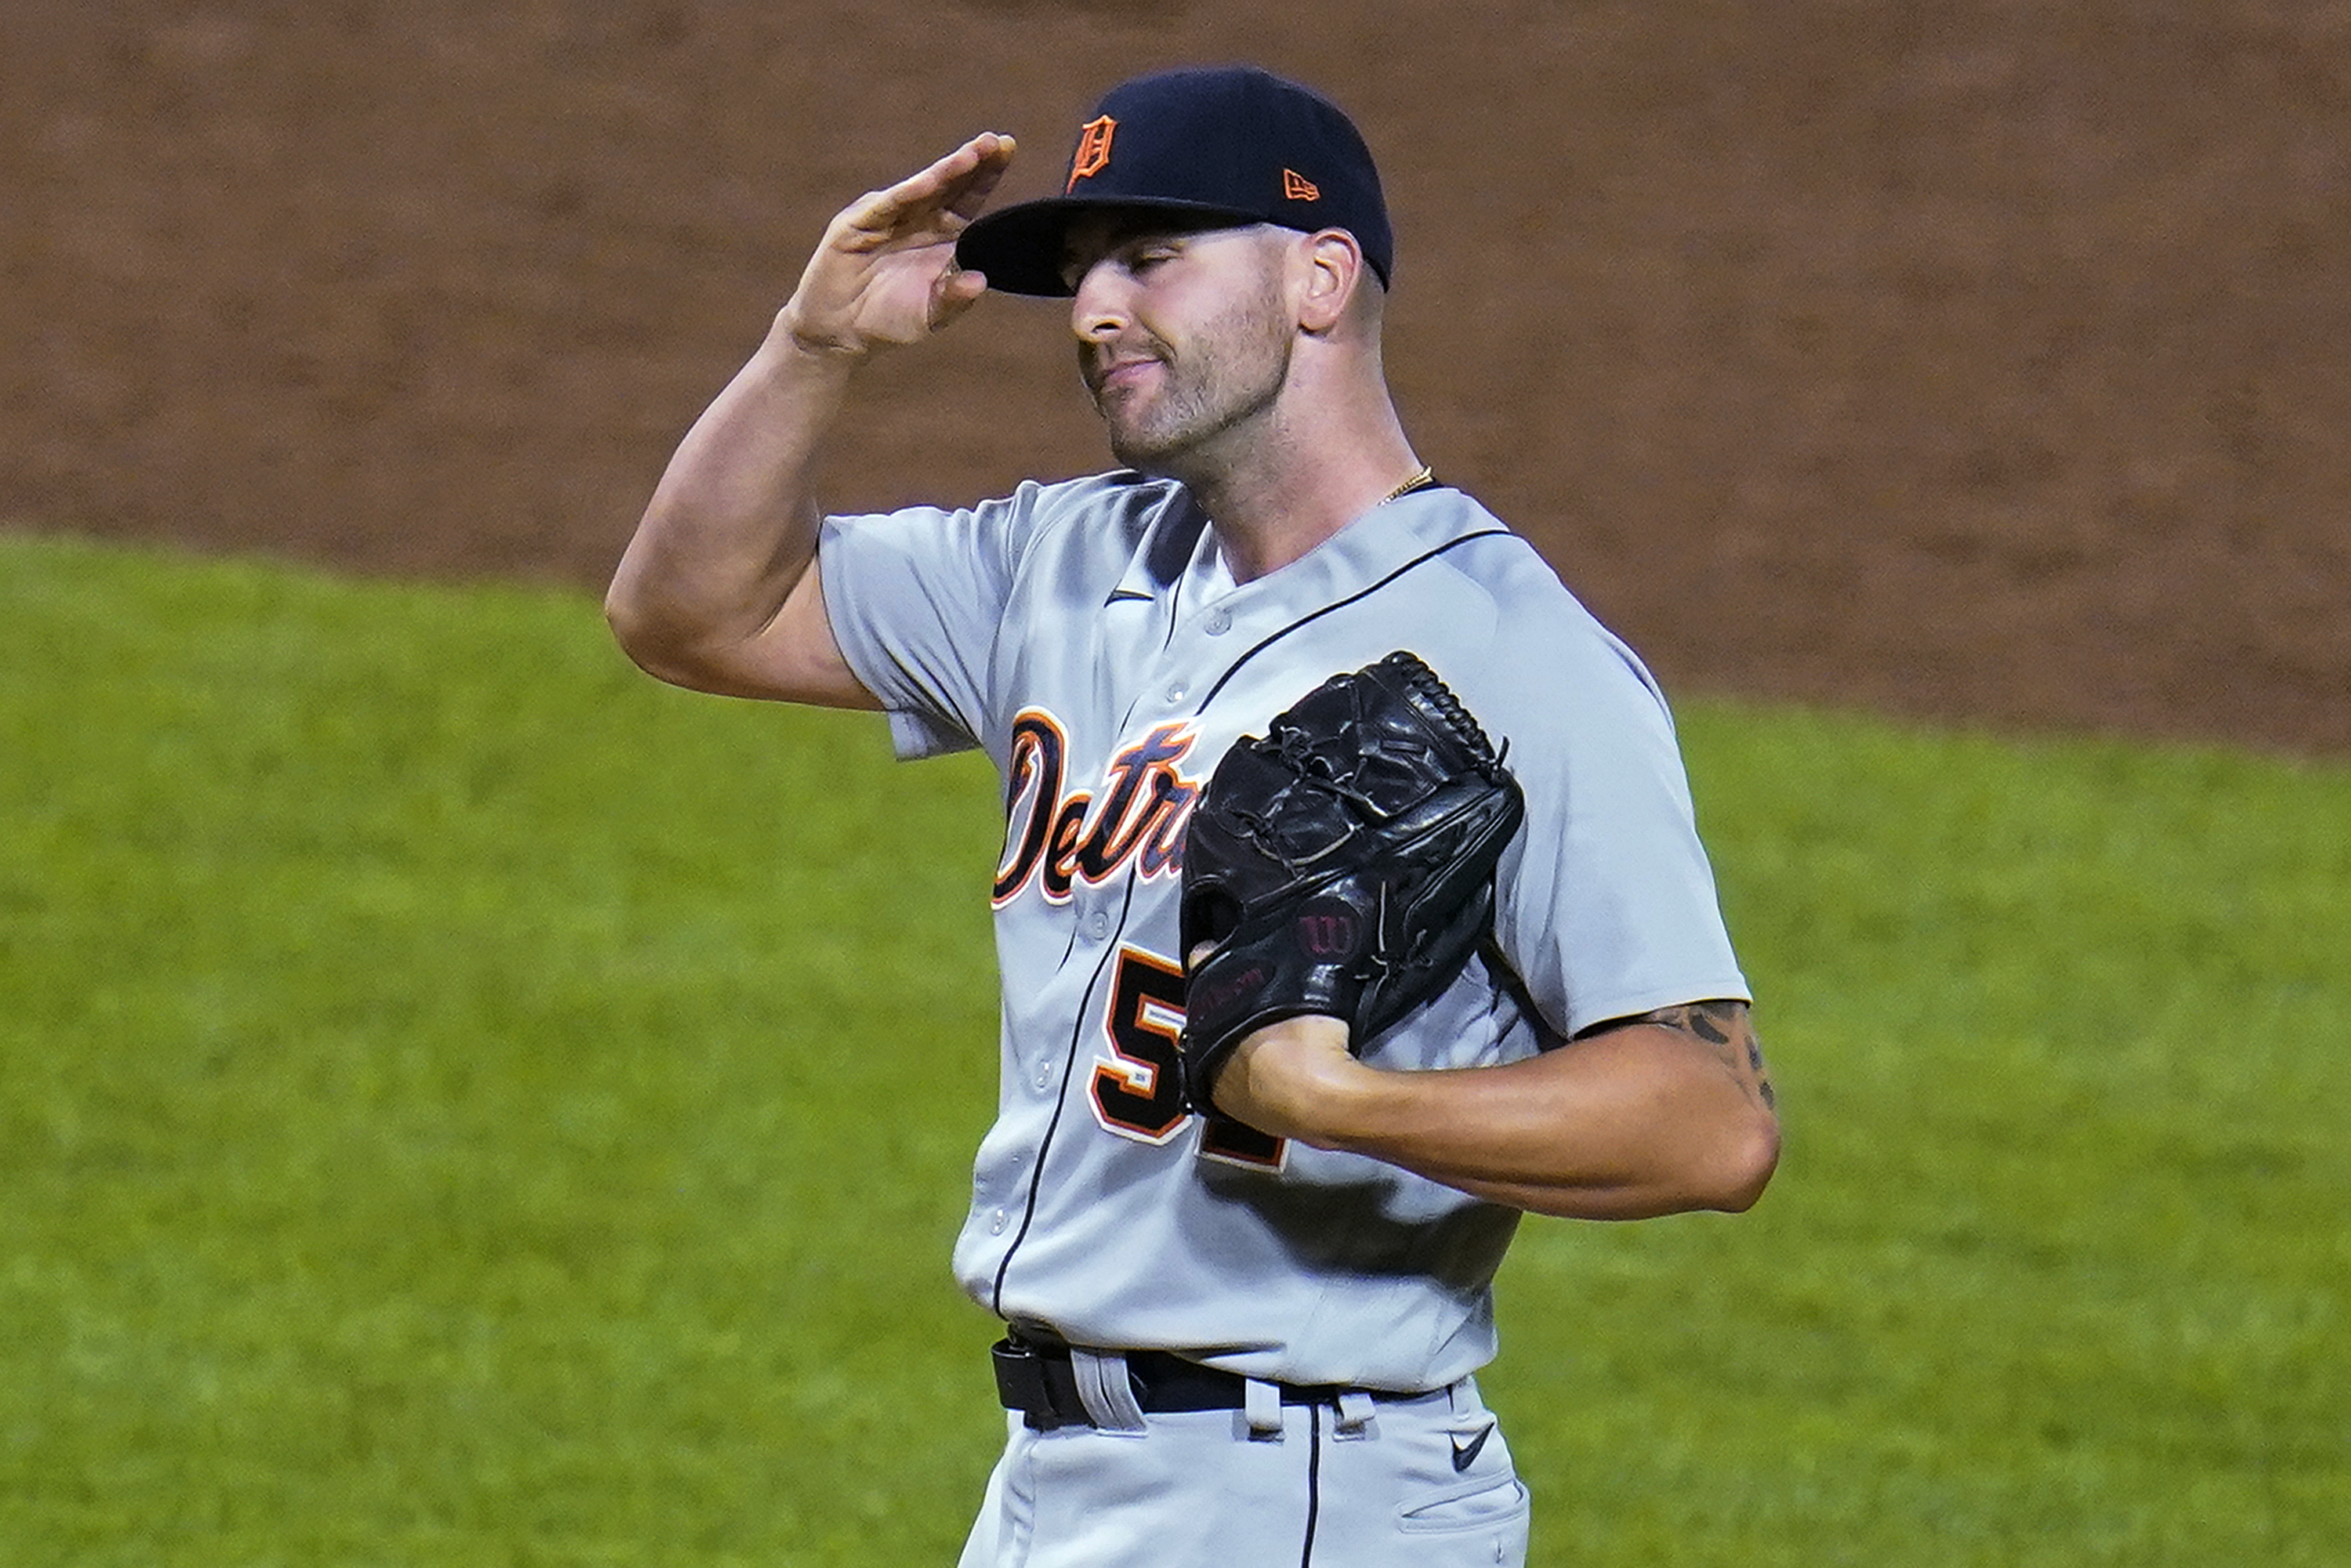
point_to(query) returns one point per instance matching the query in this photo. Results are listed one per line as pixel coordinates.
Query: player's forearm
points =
(1639, 1122)
(1627, 1126)
(732, 526)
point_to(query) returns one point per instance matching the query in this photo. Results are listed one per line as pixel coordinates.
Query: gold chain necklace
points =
(1425, 476)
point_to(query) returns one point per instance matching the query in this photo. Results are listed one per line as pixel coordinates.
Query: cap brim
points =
(1022, 249)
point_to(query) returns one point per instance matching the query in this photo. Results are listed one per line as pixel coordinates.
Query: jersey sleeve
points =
(915, 597)
(1609, 908)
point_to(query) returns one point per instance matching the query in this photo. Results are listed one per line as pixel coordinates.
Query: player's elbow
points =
(1739, 1162)
(642, 634)
(1712, 1164)
(659, 639)
(623, 618)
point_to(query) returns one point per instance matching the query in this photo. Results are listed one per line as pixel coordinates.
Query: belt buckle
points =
(1021, 1385)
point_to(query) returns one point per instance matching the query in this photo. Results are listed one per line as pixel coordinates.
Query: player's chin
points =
(1137, 450)
(1124, 409)
(1149, 436)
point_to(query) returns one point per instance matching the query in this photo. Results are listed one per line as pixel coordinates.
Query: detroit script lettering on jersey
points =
(1057, 836)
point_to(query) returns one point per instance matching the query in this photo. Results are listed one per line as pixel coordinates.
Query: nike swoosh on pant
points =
(1466, 1454)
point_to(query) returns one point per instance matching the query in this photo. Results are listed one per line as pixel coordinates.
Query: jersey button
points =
(1099, 925)
(1219, 623)
(995, 1224)
(1176, 693)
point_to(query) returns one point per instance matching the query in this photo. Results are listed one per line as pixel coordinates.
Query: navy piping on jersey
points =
(1313, 1483)
(1060, 1100)
(1341, 603)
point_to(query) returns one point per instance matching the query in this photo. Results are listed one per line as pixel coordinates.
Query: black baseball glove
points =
(1344, 864)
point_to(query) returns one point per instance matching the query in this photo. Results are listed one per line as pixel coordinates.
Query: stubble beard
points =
(1210, 394)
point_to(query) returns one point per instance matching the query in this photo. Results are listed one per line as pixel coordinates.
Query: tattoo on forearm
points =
(1729, 1029)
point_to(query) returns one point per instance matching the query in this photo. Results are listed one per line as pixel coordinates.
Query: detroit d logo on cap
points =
(1092, 155)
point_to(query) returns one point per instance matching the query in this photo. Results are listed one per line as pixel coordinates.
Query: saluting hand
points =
(885, 273)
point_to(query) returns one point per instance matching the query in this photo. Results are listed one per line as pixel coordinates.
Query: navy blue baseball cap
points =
(1224, 145)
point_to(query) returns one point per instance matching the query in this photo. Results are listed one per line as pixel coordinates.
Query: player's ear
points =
(1330, 269)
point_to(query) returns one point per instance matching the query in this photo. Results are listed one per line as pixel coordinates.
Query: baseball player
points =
(1245, 1278)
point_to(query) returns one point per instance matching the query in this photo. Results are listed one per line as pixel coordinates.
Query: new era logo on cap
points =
(1218, 146)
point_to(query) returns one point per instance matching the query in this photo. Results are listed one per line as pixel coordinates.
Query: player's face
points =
(1183, 340)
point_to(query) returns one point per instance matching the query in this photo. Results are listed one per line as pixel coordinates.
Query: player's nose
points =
(1098, 311)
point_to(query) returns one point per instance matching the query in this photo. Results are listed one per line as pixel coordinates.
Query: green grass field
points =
(462, 1103)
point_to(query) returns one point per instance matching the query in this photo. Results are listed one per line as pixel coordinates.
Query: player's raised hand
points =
(885, 273)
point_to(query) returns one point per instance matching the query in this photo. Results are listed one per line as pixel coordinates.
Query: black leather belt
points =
(1038, 1381)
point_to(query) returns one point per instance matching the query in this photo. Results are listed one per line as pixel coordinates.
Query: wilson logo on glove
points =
(1328, 931)
(1226, 990)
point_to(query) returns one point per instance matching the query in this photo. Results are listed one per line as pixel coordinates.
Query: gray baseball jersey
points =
(1088, 635)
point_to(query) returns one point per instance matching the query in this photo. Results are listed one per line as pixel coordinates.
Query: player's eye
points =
(1135, 257)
